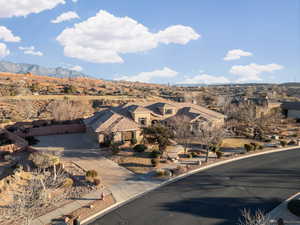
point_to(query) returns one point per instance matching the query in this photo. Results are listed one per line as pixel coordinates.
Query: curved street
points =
(215, 196)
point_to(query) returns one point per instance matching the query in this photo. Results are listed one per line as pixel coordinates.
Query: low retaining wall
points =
(19, 144)
(53, 129)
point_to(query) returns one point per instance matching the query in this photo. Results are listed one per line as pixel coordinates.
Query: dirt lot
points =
(237, 142)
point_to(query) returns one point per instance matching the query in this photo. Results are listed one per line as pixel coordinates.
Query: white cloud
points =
(252, 72)
(147, 77)
(205, 79)
(236, 54)
(104, 37)
(7, 35)
(31, 51)
(75, 1)
(10, 8)
(76, 68)
(177, 34)
(65, 17)
(4, 51)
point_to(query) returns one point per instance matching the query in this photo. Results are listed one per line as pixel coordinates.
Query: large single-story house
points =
(125, 123)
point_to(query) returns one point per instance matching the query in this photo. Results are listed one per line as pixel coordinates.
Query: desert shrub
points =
(97, 181)
(194, 154)
(214, 148)
(133, 141)
(179, 170)
(18, 167)
(294, 206)
(248, 147)
(268, 140)
(89, 179)
(91, 173)
(107, 143)
(155, 162)
(260, 147)
(292, 142)
(155, 154)
(140, 148)
(219, 154)
(283, 143)
(43, 160)
(68, 182)
(7, 157)
(115, 150)
(31, 140)
(160, 173)
(254, 146)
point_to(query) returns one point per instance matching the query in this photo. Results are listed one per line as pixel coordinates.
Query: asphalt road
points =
(216, 196)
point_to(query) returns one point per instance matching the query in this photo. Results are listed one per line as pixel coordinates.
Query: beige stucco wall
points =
(139, 136)
(138, 115)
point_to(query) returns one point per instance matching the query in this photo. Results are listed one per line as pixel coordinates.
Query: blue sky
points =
(170, 41)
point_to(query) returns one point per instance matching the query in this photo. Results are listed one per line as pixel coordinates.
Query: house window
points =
(143, 121)
(127, 136)
(195, 126)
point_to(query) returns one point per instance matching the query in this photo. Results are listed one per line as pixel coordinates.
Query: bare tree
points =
(26, 203)
(210, 136)
(182, 130)
(68, 110)
(44, 160)
(26, 109)
(257, 218)
(244, 119)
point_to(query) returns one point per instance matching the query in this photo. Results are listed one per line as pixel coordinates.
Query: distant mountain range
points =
(23, 68)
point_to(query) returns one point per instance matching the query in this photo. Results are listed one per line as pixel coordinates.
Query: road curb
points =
(172, 180)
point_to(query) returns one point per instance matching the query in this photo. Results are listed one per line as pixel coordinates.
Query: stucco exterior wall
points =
(137, 116)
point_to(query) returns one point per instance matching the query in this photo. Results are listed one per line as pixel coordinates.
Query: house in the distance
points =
(291, 109)
(125, 123)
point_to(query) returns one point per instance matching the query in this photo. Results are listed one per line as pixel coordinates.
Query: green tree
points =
(158, 134)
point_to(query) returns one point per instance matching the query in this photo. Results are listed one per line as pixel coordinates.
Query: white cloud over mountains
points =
(252, 72)
(7, 35)
(147, 77)
(236, 54)
(10, 8)
(105, 37)
(245, 73)
(4, 51)
(76, 68)
(31, 51)
(65, 17)
(205, 79)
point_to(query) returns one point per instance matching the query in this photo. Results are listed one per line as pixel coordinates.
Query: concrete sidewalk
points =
(281, 211)
(69, 208)
(122, 191)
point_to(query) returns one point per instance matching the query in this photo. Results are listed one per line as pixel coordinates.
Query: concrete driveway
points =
(81, 150)
(67, 141)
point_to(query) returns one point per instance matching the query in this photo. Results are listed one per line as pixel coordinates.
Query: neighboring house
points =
(291, 109)
(125, 123)
(262, 101)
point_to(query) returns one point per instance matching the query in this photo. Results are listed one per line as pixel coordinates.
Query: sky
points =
(169, 41)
